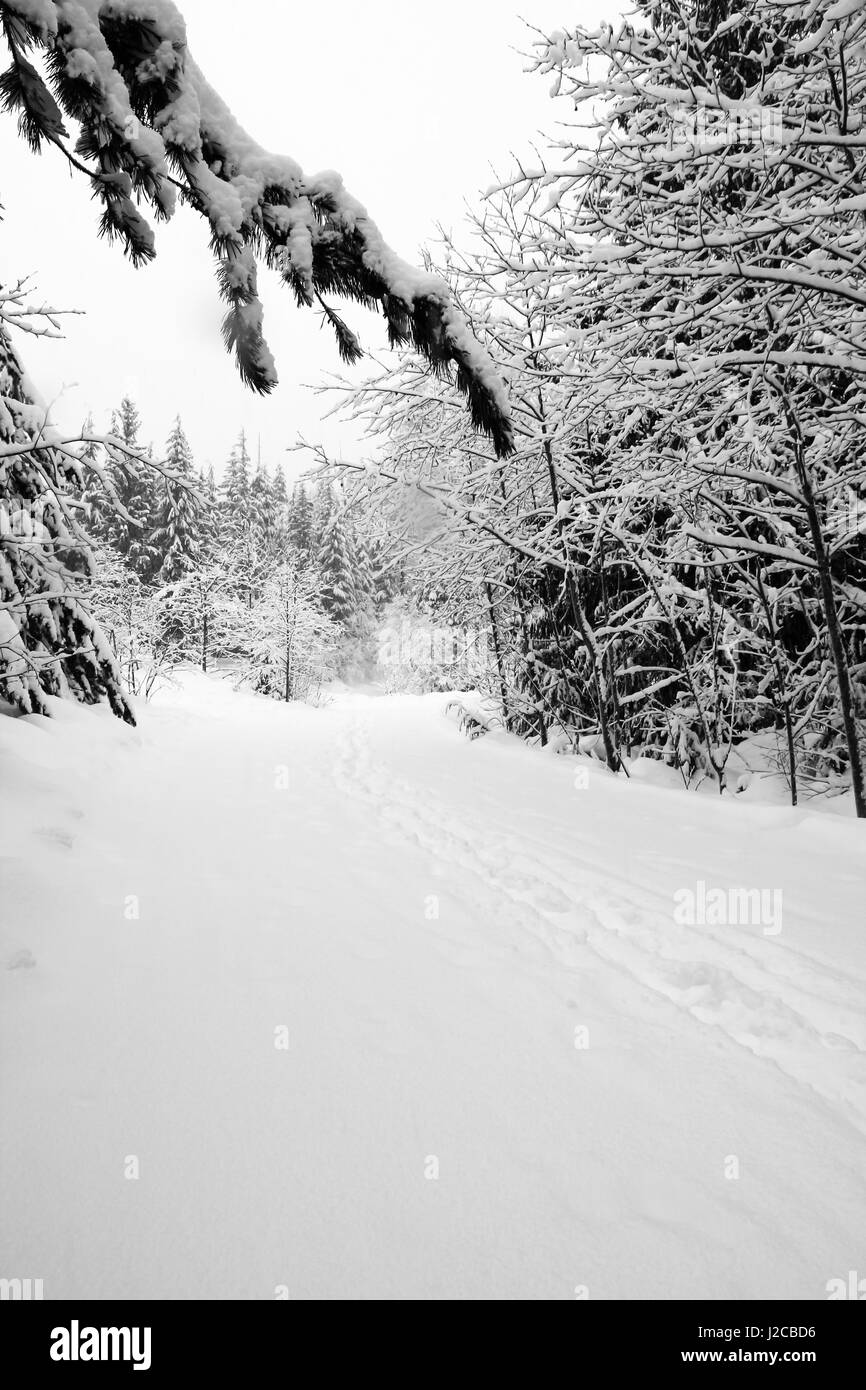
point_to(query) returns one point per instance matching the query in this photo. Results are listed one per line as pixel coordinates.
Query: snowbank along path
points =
(331, 1003)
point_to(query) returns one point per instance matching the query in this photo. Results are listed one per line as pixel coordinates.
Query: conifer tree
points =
(49, 644)
(279, 502)
(386, 574)
(180, 519)
(150, 122)
(321, 510)
(262, 505)
(364, 581)
(339, 597)
(209, 517)
(300, 521)
(279, 492)
(131, 535)
(99, 507)
(234, 491)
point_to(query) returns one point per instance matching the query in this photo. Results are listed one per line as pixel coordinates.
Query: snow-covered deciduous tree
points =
(292, 644)
(128, 616)
(198, 614)
(714, 244)
(673, 560)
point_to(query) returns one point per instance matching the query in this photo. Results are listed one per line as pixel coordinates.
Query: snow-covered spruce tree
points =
(321, 512)
(234, 490)
(262, 505)
(49, 643)
(180, 525)
(386, 570)
(130, 529)
(299, 526)
(279, 506)
(365, 583)
(336, 563)
(242, 548)
(150, 125)
(96, 499)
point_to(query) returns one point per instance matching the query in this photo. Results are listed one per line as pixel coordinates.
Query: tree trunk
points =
(831, 617)
(503, 689)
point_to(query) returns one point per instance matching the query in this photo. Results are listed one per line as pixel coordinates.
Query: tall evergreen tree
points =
(387, 576)
(179, 534)
(262, 505)
(280, 510)
(300, 522)
(279, 492)
(210, 488)
(209, 520)
(131, 535)
(336, 564)
(234, 491)
(98, 506)
(364, 581)
(321, 511)
(49, 643)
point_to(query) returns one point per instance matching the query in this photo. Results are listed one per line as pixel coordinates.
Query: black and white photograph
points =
(433, 667)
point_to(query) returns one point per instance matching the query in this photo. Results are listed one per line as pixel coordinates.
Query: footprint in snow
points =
(21, 960)
(56, 836)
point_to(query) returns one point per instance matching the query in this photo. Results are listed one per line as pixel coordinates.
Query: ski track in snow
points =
(762, 994)
(411, 1035)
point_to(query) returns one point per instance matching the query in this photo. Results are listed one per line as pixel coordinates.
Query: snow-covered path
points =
(509, 1073)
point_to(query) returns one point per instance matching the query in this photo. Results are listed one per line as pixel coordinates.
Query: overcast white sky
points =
(412, 103)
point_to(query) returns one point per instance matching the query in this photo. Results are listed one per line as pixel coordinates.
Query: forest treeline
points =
(277, 586)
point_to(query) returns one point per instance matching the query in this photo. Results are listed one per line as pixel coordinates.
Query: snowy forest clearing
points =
(334, 1003)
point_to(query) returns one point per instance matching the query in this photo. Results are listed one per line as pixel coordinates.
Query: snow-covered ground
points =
(376, 1012)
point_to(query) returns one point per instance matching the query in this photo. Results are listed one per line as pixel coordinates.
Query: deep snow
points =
(478, 968)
